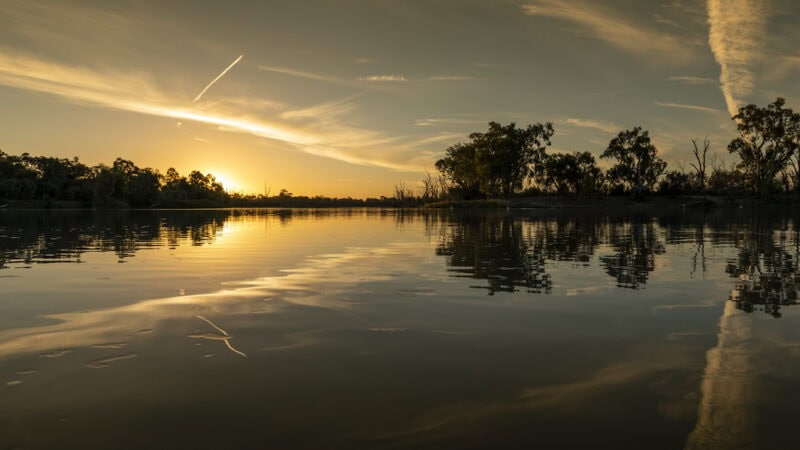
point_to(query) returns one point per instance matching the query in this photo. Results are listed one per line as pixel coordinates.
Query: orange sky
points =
(350, 98)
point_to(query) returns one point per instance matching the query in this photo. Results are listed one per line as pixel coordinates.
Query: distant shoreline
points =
(600, 203)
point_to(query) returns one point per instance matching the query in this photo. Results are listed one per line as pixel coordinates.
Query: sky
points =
(354, 97)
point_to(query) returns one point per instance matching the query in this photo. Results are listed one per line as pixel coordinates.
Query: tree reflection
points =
(767, 267)
(511, 253)
(635, 245)
(31, 237)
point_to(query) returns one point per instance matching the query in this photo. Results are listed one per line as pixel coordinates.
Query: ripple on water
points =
(106, 362)
(111, 345)
(56, 353)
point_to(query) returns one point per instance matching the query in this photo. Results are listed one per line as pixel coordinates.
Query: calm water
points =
(396, 329)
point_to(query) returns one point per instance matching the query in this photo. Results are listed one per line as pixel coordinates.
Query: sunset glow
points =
(319, 115)
(399, 224)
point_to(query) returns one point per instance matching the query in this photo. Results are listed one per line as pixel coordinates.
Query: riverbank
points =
(654, 203)
(599, 203)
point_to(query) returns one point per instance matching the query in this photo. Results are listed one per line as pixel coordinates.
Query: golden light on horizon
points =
(229, 183)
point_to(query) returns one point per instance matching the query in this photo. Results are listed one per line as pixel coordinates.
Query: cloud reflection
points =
(299, 287)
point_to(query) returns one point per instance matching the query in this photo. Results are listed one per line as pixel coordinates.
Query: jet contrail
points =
(217, 79)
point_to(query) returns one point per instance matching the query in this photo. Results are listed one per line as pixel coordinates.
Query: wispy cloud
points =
(323, 110)
(612, 28)
(691, 80)
(380, 78)
(448, 121)
(366, 60)
(489, 65)
(441, 137)
(683, 14)
(736, 30)
(208, 86)
(450, 78)
(138, 92)
(690, 107)
(307, 75)
(600, 125)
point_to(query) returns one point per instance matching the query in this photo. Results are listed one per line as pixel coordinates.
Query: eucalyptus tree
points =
(571, 172)
(497, 162)
(769, 138)
(637, 163)
(460, 168)
(701, 166)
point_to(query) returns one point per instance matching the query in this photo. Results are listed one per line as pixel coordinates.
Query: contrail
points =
(217, 79)
(736, 30)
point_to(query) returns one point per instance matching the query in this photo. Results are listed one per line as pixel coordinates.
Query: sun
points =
(228, 183)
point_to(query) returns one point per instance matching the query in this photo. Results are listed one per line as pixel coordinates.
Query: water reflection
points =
(508, 251)
(39, 237)
(767, 268)
(511, 253)
(728, 411)
(500, 250)
(35, 237)
(635, 246)
(384, 339)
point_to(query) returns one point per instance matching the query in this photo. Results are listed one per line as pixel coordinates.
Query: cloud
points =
(450, 78)
(736, 30)
(323, 110)
(389, 78)
(307, 75)
(366, 60)
(208, 86)
(138, 92)
(624, 34)
(489, 66)
(691, 79)
(600, 125)
(782, 67)
(441, 137)
(448, 121)
(691, 107)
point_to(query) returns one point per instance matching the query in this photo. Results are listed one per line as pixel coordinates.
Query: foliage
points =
(460, 167)
(637, 164)
(727, 182)
(769, 139)
(497, 162)
(572, 172)
(676, 182)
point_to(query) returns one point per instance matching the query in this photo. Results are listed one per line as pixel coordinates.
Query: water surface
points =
(398, 329)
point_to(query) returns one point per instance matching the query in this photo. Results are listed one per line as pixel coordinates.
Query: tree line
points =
(50, 182)
(507, 160)
(502, 162)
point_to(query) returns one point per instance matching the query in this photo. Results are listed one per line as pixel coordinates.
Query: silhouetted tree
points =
(460, 167)
(675, 182)
(768, 140)
(143, 187)
(701, 166)
(110, 186)
(496, 162)
(507, 155)
(572, 172)
(637, 163)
